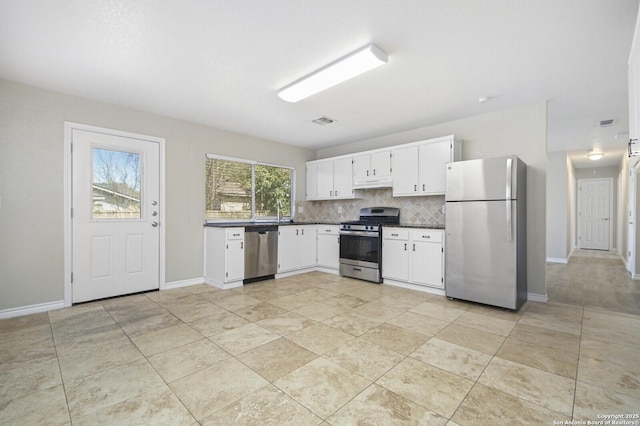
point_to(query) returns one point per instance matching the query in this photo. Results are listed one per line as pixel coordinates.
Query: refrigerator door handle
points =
(508, 197)
(508, 180)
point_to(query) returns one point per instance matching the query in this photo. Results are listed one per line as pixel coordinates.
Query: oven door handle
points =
(360, 233)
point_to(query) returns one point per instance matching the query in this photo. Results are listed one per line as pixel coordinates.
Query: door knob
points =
(154, 224)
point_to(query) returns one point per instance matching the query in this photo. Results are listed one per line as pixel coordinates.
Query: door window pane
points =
(116, 183)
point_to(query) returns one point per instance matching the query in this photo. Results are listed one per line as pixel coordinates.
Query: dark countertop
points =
(257, 224)
(421, 226)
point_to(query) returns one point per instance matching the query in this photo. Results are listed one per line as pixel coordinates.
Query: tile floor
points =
(594, 278)
(316, 349)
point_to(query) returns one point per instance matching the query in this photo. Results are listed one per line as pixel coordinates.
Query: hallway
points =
(595, 279)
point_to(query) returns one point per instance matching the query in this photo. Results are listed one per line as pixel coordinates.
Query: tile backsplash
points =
(413, 210)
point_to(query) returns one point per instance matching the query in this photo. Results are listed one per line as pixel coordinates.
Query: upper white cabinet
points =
(330, 179)
(416, 168)
(419, 169)
(372, 170)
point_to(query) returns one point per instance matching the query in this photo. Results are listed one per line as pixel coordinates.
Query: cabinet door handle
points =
(405, 246)
(367, 172)
(426, 236)
(330, 193)
(297, 231)
(302, 231)
(414, 247)
(336, 194)
(374, 172)
(394, 235)
(423, 187)
(415, 188)
(241, 245)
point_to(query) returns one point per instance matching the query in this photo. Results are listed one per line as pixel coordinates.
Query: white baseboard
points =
(410, 286)
(557, 260)
(535, 297)
(183, 283)
(221, 285)
(296, 272)
(31, 309)
(327, 270)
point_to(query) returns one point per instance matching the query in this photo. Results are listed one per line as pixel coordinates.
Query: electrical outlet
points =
(339, 209)
(300, 209)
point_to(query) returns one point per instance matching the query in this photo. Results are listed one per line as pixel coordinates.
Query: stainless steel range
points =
(361, 243)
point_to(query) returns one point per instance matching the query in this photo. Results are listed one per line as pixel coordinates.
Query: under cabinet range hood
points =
(373, 182)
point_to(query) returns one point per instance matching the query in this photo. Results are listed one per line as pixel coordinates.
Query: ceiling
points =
(221, 63)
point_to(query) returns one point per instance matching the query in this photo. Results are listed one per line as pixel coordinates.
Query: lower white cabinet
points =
(329, 246)
(296, 247)
(414, 256)
(224, 257)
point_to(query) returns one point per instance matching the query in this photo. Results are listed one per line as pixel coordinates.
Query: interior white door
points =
(115, 215)
(594, 213)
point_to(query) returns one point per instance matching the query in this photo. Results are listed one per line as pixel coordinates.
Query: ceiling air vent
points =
(606, 123)
(323, 120)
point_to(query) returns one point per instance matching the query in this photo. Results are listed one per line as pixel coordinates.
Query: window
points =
(246, 190)
(115, 184)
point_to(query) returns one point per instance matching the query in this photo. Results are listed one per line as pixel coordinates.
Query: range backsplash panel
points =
(424, 210)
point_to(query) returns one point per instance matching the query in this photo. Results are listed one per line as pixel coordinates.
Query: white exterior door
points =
(594, 213)
(115, 215)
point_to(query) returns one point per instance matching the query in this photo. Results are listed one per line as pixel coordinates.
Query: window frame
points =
(253, 217)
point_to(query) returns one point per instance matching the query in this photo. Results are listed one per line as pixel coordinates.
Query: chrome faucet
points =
(279, 206)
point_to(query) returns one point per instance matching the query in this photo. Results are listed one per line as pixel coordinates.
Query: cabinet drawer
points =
(328, 230)
(235, 233)
(395, 234)
(430, 235)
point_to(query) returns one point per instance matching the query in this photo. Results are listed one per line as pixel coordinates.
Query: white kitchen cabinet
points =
(426, 266)
(372, 170)
(329, 246)
(312, 181)
(395, 254)
(405, 171)
(224, 257)
(414, 256)
(330, 179)
(296, 247)
(419, 169)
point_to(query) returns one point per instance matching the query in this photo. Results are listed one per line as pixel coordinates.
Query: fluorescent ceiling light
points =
(595, 156)
(355, 63)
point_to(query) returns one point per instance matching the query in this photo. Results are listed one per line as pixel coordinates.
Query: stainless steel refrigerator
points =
(485, 223)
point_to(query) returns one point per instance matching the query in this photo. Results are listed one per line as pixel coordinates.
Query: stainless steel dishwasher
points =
(260, 252)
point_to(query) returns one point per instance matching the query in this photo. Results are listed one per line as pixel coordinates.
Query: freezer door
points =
(486, 179)
(481, 261)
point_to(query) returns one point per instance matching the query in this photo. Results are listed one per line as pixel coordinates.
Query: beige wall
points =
(521, 131)
(558, 208)
(31, 184)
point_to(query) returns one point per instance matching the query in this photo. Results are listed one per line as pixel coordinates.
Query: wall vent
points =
(606, 123)
(323, 120)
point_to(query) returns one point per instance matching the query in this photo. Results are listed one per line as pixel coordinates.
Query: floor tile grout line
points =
(64, 386)
(575, 388)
